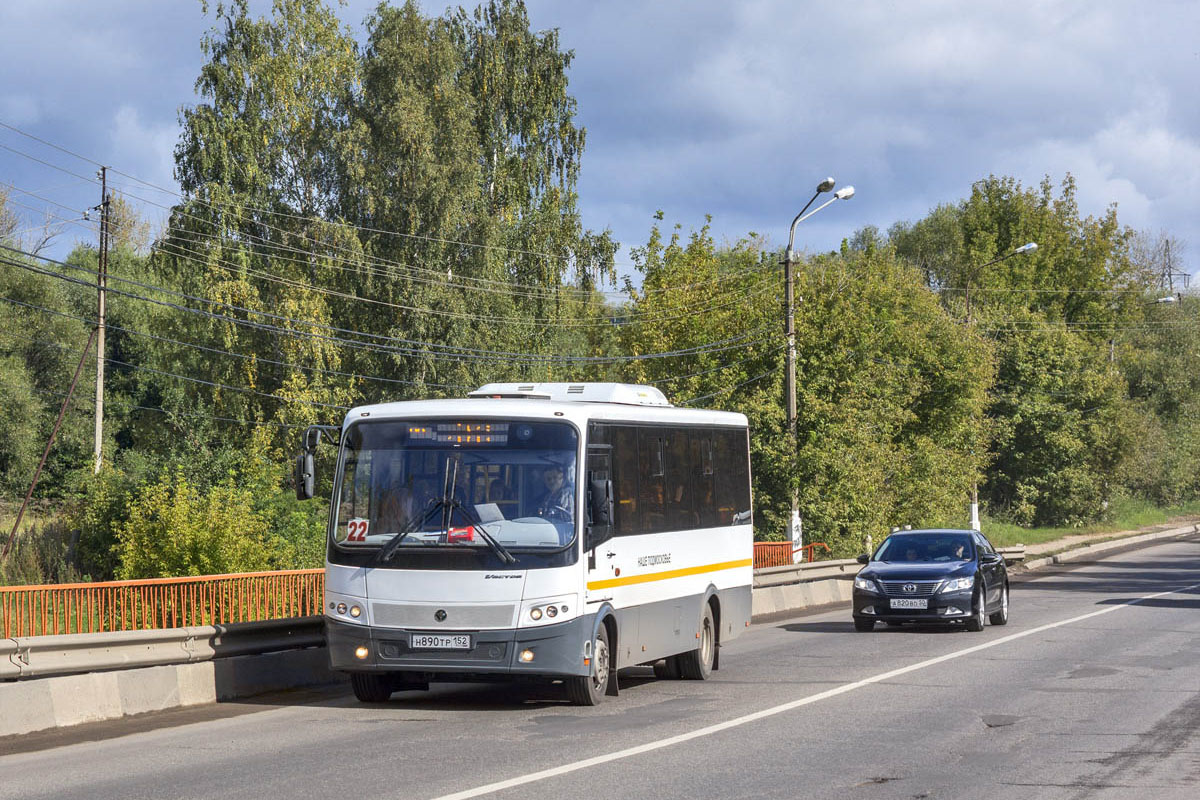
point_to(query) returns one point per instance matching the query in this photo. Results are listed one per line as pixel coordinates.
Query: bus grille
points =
(457, 617)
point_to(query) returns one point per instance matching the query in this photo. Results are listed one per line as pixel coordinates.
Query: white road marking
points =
(780, 709)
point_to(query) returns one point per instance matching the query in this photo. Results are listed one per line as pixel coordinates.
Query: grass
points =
(1126, 515)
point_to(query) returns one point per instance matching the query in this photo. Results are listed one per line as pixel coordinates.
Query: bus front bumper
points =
(557, 650)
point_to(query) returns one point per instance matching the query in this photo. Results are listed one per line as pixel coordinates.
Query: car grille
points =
(896, 588)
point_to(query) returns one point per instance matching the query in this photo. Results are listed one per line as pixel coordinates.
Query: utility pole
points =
(101, 285)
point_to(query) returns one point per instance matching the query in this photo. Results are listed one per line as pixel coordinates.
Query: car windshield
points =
(926, 547)
(457, 484)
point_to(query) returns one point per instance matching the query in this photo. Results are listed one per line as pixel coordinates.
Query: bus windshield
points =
(457, 484)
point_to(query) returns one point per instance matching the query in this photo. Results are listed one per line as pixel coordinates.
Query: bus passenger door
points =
(597, 532)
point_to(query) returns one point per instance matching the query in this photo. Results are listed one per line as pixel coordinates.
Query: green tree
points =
(173, 529)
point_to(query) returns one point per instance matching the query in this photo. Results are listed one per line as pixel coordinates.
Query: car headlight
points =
(958, 584)
(866, 584)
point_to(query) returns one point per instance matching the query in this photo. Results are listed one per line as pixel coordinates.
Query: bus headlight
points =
(547, 610)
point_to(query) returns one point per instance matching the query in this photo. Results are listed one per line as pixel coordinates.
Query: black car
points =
(932, 576)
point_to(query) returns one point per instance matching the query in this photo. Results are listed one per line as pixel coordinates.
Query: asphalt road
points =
(1092, 690)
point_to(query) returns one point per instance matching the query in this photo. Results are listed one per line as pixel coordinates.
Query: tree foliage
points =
(399, 219)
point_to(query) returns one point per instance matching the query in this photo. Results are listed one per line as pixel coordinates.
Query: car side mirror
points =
(305, 476)
(863, 559)
(989, 558)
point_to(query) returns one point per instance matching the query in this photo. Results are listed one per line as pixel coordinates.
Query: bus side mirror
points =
(305, 475)
(600, 513)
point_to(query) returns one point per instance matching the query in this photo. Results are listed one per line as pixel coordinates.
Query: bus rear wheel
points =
(370, 687)
(696, 665)
(589, 690)
(667, 669)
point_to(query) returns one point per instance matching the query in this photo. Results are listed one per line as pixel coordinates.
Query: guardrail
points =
(159, 603)
(66, 654)
(847, 568)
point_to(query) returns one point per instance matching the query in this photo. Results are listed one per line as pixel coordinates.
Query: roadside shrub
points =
(174, 530)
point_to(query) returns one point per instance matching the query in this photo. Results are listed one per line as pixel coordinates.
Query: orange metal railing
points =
(772, 554)
(160, 602)
(779, 554)
(810, 551)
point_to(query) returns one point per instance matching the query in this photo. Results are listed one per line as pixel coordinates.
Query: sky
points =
(708, 107)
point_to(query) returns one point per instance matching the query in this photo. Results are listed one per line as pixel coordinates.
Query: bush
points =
(174, 530)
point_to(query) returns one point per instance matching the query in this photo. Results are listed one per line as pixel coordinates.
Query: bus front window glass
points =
(455, 483)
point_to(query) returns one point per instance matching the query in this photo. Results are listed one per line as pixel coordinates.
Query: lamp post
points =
(1028, 247)
(794, 524)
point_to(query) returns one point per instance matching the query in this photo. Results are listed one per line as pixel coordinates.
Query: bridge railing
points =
(159, 603)
(779, 554)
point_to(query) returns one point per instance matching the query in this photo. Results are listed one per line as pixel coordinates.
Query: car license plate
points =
(439, 641)
(905, 602)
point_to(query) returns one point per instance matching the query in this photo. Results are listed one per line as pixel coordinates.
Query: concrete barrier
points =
(74, 653)
(66, 700)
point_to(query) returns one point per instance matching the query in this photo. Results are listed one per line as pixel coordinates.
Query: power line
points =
(729, 389)
(214, 384)
(444, 352)
(120, 403)
(634, 317)
(217, 351)
(344, 225)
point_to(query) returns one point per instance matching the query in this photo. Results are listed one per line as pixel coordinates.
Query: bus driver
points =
(558, 504)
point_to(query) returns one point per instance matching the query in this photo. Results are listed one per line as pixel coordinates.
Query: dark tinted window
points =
(677, 478)
(731, 459)
(625, 479)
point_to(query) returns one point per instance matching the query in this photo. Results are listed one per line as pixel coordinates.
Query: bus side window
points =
(625, 479)
(650, 481)
(679, 480)
(732, 481)
(702, 462)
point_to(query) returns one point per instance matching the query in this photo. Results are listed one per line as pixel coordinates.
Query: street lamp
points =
(790, 330)
(1028, 247)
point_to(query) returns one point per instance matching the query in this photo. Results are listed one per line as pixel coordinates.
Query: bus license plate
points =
(438, 641)
(910, 603)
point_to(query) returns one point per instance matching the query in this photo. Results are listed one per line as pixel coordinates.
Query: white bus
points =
(552, 532)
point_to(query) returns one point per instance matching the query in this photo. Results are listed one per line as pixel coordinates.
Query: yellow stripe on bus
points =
(671, 573)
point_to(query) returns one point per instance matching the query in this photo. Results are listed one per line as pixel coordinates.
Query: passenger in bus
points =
(396, 504)
(558, 504)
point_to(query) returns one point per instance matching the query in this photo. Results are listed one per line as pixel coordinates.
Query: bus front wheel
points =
(696, 665)
(589, 690)
(370, 687)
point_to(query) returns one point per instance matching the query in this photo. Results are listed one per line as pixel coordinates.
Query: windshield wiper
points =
(499, 549)
(393, 544)
(440, 504)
